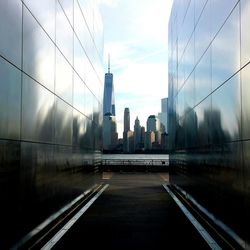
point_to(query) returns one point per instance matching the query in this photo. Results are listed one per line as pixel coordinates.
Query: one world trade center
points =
(108, 97)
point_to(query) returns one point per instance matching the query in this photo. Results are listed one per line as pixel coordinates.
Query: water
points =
(135, 157)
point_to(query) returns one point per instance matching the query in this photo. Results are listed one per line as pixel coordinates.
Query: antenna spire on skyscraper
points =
(109, 64)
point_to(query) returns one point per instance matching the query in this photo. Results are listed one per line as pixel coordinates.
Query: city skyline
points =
(138, 53)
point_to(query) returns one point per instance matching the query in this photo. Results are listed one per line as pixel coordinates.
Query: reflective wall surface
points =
(209, 107)
(51, 84)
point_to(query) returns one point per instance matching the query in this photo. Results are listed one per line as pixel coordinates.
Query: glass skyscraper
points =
(108, 96)
(209, 107)
(50, 108)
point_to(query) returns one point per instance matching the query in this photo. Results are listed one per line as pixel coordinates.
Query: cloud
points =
(109, 3)
(135, 36)
(141, 86)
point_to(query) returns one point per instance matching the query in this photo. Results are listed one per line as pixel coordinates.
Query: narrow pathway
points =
(134, 212)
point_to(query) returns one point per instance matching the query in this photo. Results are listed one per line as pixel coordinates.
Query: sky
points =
(136, 37)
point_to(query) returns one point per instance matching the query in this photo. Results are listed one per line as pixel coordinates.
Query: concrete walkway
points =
(134, 212)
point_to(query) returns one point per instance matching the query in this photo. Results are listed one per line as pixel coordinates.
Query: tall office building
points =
(209, 107)
(153, 132)
(50, 108)
(127, 133)
(163, 115)
(137, 134)
(126, 119)
(110, 135)
(152, 123)
(108, 95)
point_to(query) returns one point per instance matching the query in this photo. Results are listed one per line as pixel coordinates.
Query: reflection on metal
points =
(68, 225)
(206, 236)
(218, 222)
(107, 175)
(52, 218)
(51, 72)
(209, 107)
(165, 176)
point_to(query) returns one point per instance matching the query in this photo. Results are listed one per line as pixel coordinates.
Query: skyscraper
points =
(126, 120)
(163, 115)
(109, 120)
(108, 95)
(152, 123)
(110, 136)
(127, 134)
(137, 134)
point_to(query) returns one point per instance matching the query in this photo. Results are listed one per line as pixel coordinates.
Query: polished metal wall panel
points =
(68, 7)
(203, 77)
(51, 79)
(79, 129)
(11, 31)
(199, 5)
(38, 52)
(246, 173)
(38, 112)
(226, 48)
(190, 128)
(80, 24)
(245, 81)
(204, 123)
(88, 103)
(189, 93)
(63, 78)
(245, 35)
(87, 12)
(46, 17)
(64, 33)
(221, 11)
(10, 100)
(225, 101)
(209, 140)
(80, 58)
(9, 191)
(189, 56)
(63, 122)
(79, 94)
(203, 30)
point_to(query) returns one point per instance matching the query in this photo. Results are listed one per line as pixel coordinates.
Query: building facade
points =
(209, 109)
(126, 120)
(108, 95)
(137, 134)
(163, 115)
(50, 108)
(110, 135)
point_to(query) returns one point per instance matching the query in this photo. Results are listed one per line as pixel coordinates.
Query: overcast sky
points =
(135, 36)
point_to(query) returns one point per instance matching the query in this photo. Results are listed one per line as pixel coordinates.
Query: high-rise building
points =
(50, 108)
(154, 127)
(209, 107)
(126, 119)
(137, 134)
(163, 115)
(152, 123)
(126, 131)
(108, 95)
(149, 139)
(110, 135)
